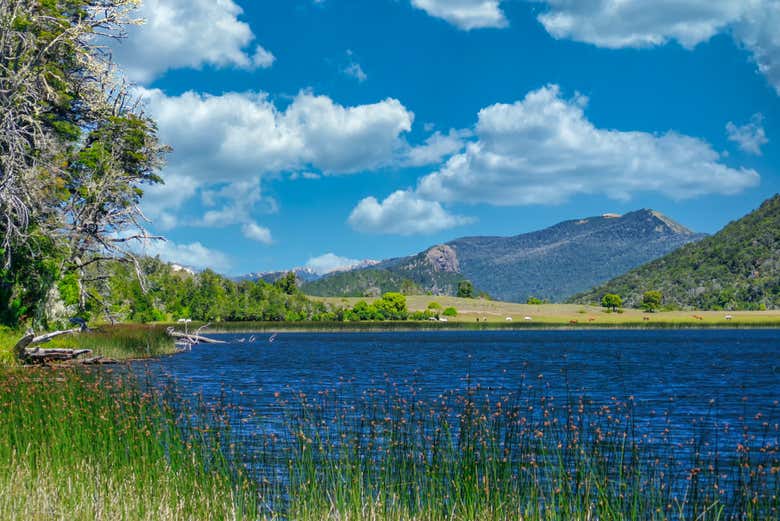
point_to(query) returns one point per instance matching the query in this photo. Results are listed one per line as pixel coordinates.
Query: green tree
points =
(611, 301)
(76, 150)
(450, 312)
(392, 306)
(288, 284)
(534, 301)
(652, 300)
(434, 306)
(465, 289)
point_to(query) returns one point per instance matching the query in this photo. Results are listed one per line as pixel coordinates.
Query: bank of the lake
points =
(116, 342)
(501, 425)
(401, 426)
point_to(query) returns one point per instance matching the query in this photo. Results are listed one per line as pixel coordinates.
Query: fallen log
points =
(42, 356)
(22, 344)
(48, 336)
(195, 339)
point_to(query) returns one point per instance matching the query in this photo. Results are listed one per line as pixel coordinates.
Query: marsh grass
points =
(80, 445)
(515, 456)
(120, 342)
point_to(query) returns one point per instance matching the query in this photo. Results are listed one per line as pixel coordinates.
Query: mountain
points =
(737, 268)
(550, 264)
(302, 274)
(305, 274)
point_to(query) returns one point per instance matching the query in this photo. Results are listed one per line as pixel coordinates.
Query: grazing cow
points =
(573, 322)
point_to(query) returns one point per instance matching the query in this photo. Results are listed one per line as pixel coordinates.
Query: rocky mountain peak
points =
(443, 258)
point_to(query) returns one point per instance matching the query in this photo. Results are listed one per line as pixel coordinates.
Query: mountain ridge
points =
(552, 263)
(737, 268)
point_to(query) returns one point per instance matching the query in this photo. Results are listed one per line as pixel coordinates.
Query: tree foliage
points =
(652, 300)
(611, 301)
(75, 149)
(465, 289)
(736, 269)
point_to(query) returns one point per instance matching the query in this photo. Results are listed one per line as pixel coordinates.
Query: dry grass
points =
(469, 310)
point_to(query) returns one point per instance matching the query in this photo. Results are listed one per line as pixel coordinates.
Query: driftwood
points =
(22, 344)
(48, 336)
(27, 351)
(43, 356)
(194, 338)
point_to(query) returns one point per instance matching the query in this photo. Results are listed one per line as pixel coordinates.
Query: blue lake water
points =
(726, 377)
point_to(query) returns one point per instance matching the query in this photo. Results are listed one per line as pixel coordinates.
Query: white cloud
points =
(640, 23)
(263, 58)
(232, 140)
(356, 71)
(543, 150)
(758, 32)
(257, 233)
(402, 213)
(751, 136)
(194, 255)
(187, 34)
(235, 135)
(437, 147)
(329, 263)
(161, 202)
(465, 14)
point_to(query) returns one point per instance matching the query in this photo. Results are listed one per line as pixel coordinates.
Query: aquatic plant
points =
(83, 445)
(484, 454)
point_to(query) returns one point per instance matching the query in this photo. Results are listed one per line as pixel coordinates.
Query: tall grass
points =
(120, 342)
(518, 456)
(78, 445)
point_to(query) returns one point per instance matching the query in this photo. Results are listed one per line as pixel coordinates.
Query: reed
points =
(81, 445)
(518, 456)
(120, 342)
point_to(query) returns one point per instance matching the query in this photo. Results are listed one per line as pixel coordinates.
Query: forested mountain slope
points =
(737, 268)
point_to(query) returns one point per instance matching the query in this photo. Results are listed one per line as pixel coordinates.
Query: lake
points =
(672, 421)
(718, 376)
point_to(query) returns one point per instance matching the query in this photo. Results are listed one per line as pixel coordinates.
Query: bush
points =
(450, 312)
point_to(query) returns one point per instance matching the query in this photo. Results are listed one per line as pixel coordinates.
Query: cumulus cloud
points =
(757, 31)
(750, 137)
(255, 232)
(543, 150)
(329, 263)
(465, 14)
(402, 213)
(437, 147)
(188, 34)
(639, 23)
(224, 145)
(194, 255)
(234, 135)
(263, 58)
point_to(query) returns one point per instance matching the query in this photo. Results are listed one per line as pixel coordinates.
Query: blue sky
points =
(376, 128)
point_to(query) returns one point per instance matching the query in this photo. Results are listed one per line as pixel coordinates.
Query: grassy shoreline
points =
(410, 326)
(97, 445)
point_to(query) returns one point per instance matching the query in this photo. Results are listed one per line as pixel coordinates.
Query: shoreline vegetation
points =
(130, 449)
(87, 445)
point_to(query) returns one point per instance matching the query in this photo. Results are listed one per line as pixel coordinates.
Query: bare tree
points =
(75, 146)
